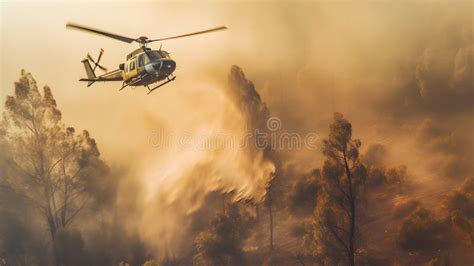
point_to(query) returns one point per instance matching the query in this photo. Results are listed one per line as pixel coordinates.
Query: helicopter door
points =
(132, 68)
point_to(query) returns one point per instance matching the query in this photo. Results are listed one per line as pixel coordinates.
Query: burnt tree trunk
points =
(351, 253)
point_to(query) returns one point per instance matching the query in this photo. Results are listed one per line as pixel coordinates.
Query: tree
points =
(447, 237)
(222, 243)
(460, 207)
(51, 166)
(422, 232)
(335, 225)
(375, 160)
(304, 193)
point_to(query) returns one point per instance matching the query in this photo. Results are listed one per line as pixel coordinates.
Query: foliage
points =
(423, 232)
(222, 243)
(378, 176)
(441, 236)
(52, 167)
(460, 204)
(303, 196)
(375, 159)
(335, 227)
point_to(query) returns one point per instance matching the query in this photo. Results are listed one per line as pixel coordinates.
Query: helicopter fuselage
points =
(145, 66)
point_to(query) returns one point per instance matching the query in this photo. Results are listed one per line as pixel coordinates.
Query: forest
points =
(63, 203)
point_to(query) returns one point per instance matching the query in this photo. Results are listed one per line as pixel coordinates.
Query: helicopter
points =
(143, 67)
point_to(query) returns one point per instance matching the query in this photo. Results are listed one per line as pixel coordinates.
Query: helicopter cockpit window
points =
(153, 55)
(132, 65)
(164, 54)
(141, 60)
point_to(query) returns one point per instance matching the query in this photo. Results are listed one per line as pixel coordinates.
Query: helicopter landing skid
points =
(167, 81)
(123, 86)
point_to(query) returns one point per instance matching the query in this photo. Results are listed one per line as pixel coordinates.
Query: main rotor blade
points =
(190, 34)
(111, 35)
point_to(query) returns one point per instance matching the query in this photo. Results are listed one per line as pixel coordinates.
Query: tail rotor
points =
(96, 63)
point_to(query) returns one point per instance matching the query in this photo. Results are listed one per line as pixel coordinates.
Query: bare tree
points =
(335, 224)
(50, 165)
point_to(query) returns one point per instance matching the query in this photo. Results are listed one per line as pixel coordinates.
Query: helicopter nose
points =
(166, 66)
(169, 66)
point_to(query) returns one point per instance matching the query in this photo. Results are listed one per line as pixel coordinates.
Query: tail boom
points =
(89, 71)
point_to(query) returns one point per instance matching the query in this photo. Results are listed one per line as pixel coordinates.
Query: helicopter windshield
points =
(155, 55)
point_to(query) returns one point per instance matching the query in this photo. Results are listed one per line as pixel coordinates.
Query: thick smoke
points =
(444, 72)
(450, 148)
(183, 183)
(410, 92)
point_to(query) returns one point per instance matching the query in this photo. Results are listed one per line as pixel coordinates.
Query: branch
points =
(340, 229)
(68, 220)
(338, 238)
(28, 127)
(76, 173)
(60, 159)
(340, 188)
(24, 171)
(344, 208)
